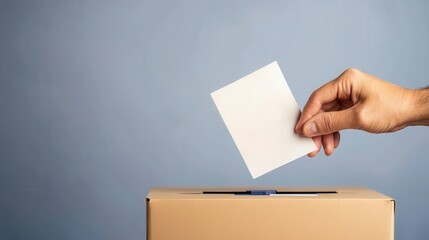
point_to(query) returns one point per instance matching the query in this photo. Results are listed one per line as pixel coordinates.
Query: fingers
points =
(329, 122)
(337, 138)
(329, 142)
(340, 88)
(318, 141)
(322, 117)
(325, 94)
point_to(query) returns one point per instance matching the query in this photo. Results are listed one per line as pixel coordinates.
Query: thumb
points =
(328, 122)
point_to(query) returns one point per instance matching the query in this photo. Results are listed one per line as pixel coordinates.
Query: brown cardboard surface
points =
(351, 213)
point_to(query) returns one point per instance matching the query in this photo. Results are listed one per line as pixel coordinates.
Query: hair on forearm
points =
(423, 98)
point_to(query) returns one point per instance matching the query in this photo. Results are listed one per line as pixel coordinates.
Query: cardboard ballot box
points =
(269, 213)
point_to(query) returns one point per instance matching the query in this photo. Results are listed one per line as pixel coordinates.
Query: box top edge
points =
(161, 193)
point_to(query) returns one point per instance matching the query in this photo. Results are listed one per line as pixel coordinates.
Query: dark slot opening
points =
(267, 192)
(307, 192)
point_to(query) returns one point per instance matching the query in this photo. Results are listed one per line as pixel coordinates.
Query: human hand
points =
(354, 100)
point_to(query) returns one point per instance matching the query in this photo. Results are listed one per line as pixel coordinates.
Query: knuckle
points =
(313, 96)
(350, 77)
(351, 71)
(352, 74)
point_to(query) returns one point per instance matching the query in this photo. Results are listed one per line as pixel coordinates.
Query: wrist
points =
(419, 107)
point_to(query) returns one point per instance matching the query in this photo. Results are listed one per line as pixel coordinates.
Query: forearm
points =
(420, 107)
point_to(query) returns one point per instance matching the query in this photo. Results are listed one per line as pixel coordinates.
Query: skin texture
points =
(357, 100)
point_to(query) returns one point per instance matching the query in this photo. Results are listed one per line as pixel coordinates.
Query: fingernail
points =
(312, 128)
(297, 129)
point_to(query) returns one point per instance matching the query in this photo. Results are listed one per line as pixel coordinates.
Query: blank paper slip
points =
(260, 113)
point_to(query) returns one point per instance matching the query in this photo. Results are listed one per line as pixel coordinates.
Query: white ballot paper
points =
(260, 113)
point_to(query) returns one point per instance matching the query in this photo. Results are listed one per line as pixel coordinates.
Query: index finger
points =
(325, 94)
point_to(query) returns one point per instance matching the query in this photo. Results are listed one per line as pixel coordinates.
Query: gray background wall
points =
(101, 100)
